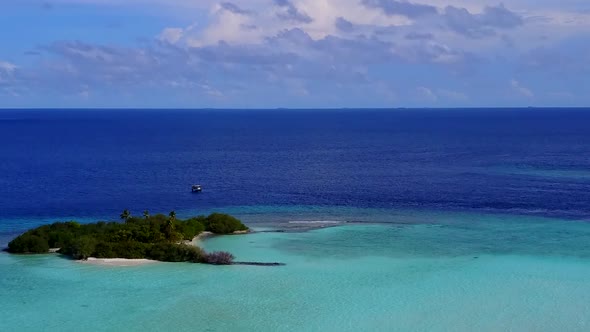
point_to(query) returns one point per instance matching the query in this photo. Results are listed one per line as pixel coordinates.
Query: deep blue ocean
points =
(95, 163)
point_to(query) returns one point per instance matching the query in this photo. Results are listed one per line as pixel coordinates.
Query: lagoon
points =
(455, 272)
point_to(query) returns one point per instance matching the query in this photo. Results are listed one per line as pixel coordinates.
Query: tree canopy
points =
(157, 237)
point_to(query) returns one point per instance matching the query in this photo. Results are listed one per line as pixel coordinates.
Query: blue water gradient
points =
(95, 163)
(421, 220)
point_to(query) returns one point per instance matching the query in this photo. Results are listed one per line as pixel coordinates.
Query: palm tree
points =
(169, 229)
(146, 214)
(170, 225)
(125, 215)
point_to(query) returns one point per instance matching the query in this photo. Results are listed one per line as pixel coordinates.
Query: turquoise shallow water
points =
(452, 272)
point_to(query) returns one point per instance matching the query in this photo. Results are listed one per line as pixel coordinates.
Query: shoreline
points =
(198, 239)
(203, 236)
(123, 262)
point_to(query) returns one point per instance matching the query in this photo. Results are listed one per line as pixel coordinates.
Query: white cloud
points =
(210, 91)
(241, 22)
(422, 55)
(520, 89)
(7, 71)
(230, 27)
(426, 94)
(171, 35)
(7, 67)
(452, 95)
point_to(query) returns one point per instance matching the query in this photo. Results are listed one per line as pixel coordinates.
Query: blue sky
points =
(294, 53)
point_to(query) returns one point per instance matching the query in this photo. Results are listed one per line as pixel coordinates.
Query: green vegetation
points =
(157, 237)
(223, 224)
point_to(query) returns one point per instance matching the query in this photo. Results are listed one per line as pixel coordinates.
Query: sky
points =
(294, 53)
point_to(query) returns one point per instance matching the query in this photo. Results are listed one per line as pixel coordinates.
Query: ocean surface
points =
(398, 220)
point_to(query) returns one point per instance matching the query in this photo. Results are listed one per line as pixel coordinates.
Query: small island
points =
(158, 237)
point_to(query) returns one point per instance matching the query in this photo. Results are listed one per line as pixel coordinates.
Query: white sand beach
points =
(117, 261)
(196, 241)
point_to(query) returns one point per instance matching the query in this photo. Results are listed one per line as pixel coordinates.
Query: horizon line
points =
(289, 108)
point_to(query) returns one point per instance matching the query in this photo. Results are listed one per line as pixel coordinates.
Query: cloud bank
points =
(318, 53)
